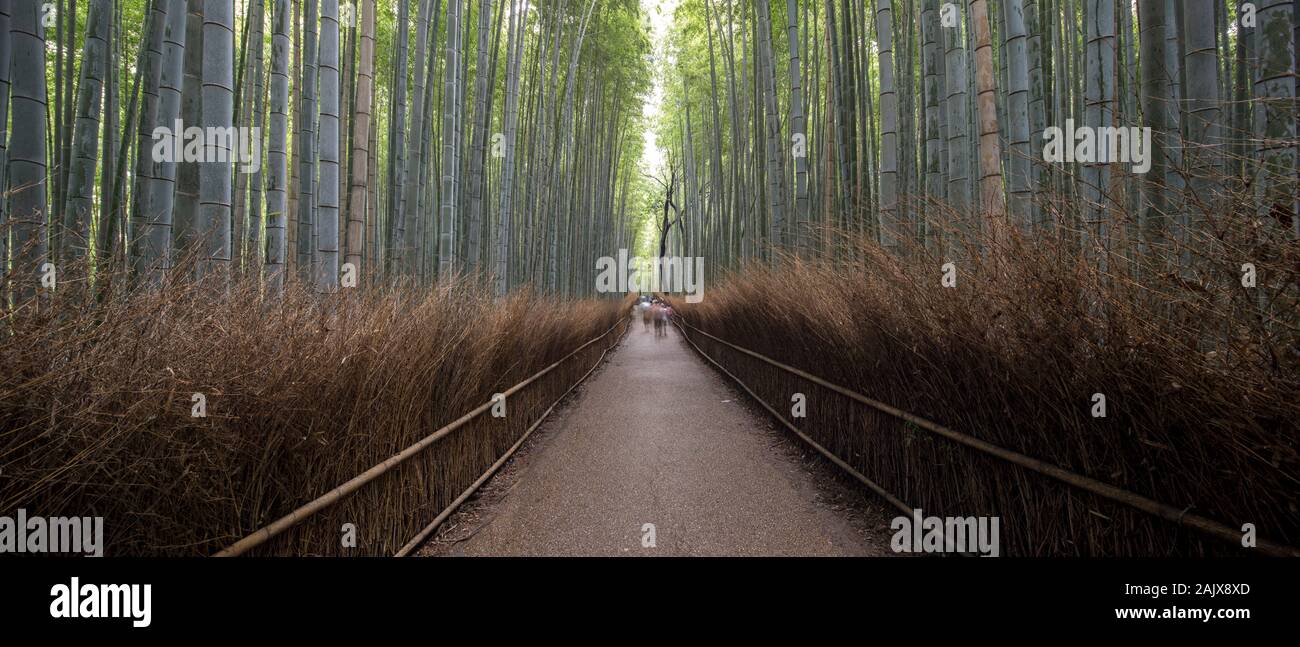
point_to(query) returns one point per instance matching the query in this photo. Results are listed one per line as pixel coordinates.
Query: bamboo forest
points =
(676, 277)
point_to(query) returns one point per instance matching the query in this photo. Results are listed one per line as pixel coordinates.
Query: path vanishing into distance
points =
(656, 436)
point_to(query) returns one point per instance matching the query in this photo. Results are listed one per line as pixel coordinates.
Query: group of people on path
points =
(654, 310)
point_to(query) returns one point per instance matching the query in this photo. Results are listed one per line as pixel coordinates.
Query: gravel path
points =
(657, 437)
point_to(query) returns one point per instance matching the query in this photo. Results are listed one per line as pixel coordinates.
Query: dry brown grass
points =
(1201, 378)
(302, 394)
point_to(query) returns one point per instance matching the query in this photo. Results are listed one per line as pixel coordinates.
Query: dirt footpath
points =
(656, 445)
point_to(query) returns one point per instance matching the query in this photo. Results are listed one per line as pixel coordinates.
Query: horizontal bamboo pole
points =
(262, 535)
(872, 485)
(1119, 495)
(442, 516)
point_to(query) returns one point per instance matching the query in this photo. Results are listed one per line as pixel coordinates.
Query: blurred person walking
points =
(661, 319)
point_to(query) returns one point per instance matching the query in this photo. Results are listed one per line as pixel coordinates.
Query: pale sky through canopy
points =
(661, 14)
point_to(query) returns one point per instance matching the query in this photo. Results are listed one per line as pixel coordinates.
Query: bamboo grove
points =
(335, 143)
(1006, 216)
(924, 123)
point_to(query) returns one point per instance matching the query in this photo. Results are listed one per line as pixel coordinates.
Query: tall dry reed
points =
(302, 393)
(1201, 379)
